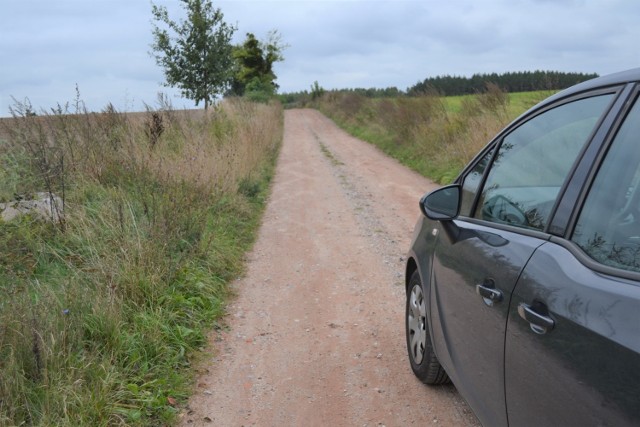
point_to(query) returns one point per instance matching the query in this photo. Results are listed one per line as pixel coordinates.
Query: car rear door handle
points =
(490, 295)
(540, 323)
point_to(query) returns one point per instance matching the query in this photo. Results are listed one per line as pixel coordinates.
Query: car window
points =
(472, 183)
(533, 162)
(608, 228)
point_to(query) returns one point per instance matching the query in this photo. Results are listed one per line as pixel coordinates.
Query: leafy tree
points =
(254, 64)
(196, 53)
(316, 90)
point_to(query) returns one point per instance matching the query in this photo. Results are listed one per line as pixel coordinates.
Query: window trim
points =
(591, 264)
(572, 194)
(632, 97)
(530, 232)
(485, 174)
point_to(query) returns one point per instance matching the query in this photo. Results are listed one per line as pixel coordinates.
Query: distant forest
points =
(523, 81)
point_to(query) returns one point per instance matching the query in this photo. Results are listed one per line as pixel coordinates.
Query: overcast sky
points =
(49, 46)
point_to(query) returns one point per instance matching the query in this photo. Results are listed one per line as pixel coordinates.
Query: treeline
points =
(372, 92)
(522, 81)
(298, 99)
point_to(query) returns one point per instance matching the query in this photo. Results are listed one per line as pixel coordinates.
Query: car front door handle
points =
(540, 323)
(490, 295)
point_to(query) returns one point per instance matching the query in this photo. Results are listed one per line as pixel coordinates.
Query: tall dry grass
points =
(101, 314)
(423, 132)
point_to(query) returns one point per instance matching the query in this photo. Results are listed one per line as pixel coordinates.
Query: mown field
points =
(103, 313)
(434, 135)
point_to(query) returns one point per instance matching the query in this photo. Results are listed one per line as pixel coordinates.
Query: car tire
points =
(424, 363)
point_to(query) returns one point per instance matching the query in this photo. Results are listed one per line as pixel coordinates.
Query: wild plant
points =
(100, 320)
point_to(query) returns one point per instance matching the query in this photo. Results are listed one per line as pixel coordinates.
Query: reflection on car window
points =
(471, 184)
(533, 162)
(608, 228)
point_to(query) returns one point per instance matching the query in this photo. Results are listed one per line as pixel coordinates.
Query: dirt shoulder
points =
(315, 335)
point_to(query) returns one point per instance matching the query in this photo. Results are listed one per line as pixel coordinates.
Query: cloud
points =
(47, 47)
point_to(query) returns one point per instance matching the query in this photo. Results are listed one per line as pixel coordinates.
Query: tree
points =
(196, 53)
(316, 90)
(254, 64)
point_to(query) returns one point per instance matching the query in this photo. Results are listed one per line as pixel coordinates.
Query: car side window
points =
(533, 162)
(472, 183)
(608, 228)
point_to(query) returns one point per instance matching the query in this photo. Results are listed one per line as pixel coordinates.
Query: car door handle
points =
(540, 323)
(489, 293)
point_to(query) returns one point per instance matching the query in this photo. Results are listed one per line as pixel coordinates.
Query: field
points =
(436, 136)
(103, 312)
(516, 103)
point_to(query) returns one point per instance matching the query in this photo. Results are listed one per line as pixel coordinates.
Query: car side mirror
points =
(442, 204)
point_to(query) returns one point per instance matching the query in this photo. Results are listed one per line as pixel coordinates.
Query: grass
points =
(101, 315)
(436, 136)
(517, 103)
(329, 155)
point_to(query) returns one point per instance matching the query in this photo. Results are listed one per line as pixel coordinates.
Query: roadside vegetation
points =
(434, 135)
(436, 126)
(103, 312)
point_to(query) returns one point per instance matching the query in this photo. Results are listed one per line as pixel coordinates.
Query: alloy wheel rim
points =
(416, 323)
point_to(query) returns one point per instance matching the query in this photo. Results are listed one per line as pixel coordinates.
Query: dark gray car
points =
(523, 278)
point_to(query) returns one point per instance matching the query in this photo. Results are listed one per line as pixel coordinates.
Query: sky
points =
(50, 47)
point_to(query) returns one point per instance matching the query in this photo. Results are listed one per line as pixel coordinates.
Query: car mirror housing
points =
(442, 204)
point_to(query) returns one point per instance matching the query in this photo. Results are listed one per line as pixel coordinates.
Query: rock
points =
(44, 205)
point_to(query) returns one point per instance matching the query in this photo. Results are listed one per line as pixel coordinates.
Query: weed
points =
(155, 127)
(327, 153)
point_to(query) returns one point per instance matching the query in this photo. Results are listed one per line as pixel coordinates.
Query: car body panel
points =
(586, 370)
(471, 336)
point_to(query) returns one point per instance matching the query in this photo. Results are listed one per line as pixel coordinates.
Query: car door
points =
(479, 256)
(572, 354)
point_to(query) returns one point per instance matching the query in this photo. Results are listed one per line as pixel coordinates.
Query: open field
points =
(103, 312)
(517, 103)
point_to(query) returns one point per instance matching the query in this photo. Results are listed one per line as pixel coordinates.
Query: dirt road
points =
(316, 334)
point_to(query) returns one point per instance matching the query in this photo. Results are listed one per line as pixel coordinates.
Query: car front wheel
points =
(424, 363)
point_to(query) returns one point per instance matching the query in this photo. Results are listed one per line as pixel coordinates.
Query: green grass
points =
(518, 102)
(329, 155)
(102, 316)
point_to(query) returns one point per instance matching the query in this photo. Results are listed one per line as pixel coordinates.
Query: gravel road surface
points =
(315, 334)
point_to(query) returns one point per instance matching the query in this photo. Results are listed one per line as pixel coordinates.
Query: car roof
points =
(614, 79)
(608, 80)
